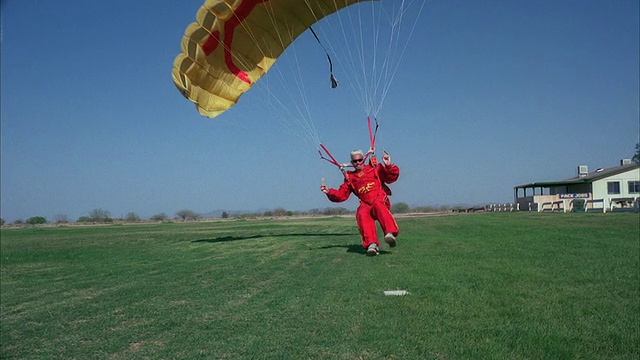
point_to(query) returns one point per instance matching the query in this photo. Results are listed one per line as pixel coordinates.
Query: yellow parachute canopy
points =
(234, 42)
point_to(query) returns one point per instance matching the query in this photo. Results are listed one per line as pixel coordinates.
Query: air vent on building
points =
(583, 170)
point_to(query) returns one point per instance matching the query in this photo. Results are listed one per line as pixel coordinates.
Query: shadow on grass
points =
(236, 238)
(356, 248)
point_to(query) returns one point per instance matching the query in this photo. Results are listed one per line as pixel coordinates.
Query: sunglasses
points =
(355, 161)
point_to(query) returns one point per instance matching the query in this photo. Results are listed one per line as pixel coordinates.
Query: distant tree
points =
(34, 220)
(247, 215)
(132, 217)
(100, 215)
(61, 218)
(636, 157)
(1, 221)
(225, 215)
(186, 214)
(335, 211)
(280, 212)
(18, 222)
(400, 208)
(159, 217)
(424, 209)
(84, 219)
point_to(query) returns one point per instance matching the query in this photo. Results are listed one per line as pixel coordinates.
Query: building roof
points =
(590, 177)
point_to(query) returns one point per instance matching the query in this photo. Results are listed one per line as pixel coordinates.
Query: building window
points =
(634, 187)
(613, 187)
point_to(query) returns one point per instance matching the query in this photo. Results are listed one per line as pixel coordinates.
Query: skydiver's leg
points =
(381, 212)
(366, 225)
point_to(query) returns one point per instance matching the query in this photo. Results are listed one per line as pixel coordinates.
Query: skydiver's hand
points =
(324, 188)
(386, 159)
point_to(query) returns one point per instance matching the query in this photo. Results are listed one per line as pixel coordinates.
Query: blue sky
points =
(488, 95)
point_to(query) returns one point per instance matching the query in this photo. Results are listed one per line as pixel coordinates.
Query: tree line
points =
(102, 216)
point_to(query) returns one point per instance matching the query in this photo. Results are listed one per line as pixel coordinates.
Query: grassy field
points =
(497, 286)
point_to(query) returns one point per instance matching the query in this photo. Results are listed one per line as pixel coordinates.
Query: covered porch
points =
(562, 196)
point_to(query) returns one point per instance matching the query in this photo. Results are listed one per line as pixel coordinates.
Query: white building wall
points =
(600, 186)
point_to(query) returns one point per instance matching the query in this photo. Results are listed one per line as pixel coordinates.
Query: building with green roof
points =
(611, 189)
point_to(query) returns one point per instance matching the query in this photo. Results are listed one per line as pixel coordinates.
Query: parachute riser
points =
(372, 141)
(331, 159)
(372, 138)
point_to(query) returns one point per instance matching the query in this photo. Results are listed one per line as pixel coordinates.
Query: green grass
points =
(498, 286)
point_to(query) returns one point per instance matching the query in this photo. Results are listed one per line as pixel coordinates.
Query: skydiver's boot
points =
(390, 239)
(372, 250)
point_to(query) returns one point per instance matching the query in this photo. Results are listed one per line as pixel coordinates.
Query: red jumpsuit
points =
(367, 185)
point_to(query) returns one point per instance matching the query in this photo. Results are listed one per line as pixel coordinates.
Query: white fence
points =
(502, 207)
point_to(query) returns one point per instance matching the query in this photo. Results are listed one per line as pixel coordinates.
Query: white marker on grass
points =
(396, 292)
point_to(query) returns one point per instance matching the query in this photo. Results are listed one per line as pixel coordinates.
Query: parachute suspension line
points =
(307, 120)
(362, 85)
(356, 55)
(361, 59)
(374, 70)
(351, 57)
(397, 21)
(299, 80)
(364, 54)
(371, 91)
(347, 66)
(366, 100)
(382, 81)
(303, 117)
(363, 63)
(351, 33)
(381, 74)
(375, 45)
(376, 32)
(309, 131)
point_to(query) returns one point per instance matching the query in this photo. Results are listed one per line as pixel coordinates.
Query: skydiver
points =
(368, 183)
